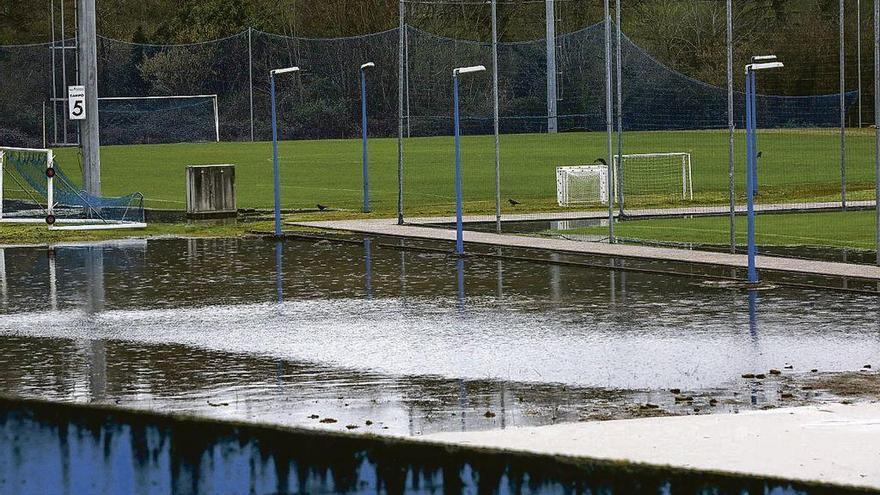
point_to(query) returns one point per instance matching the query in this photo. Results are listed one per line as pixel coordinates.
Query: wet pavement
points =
(361, 334)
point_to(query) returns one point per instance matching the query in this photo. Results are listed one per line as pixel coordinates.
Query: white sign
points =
(76, 102)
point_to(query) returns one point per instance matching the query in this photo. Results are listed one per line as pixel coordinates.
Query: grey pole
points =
(406, 76)
(730, 129)
(550, 15)
(876, 120)
(88, 63)
(609, 127)
(859, 55)
(54, 85)
(64, 81)
(842, 114)
(619, 113)
(400, 85)
(251, 78)
(495, 115)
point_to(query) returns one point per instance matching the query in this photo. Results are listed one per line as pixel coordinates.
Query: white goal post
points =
(212, 97)
(641, 174)
(35, 181)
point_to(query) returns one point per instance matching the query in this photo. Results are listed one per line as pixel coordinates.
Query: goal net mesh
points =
(653, 180)
(582, 185)
(158, 120)
(26, 194)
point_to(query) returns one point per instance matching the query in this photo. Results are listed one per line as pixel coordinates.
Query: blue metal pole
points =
(364, 133)
(750, 176)
(459, 234)
(755, 131)
(275, 171)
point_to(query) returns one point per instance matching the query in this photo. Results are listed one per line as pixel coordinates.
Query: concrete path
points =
(831, 444)
(389, 227)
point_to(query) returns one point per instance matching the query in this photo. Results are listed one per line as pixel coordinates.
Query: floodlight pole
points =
(363, 71)
(87, 54)
(758, 63)
(275, 170)
(459, 229)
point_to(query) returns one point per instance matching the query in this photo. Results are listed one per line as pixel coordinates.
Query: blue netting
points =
(27, 171)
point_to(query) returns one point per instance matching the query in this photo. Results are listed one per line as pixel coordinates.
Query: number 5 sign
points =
(76, 102)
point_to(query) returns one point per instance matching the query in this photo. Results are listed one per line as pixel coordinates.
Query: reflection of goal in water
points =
(660, 179)
(33, 189)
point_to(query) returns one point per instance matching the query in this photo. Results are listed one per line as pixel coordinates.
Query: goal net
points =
(653, 179)
(34, 189)
(582, 185)
(159, 119)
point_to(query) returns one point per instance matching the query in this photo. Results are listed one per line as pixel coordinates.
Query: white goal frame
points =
(687, 179)
(563, 174)
(213, 99)
(60, 223)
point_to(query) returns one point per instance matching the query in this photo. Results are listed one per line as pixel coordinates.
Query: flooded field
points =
(364, 336)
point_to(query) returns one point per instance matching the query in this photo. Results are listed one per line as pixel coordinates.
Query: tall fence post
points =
(400, 109)
(550, 20)
(842, 112)
(619, 82)
(495, 116)
(251, 78)
(876, 120)
(731, 156)
(609, 128)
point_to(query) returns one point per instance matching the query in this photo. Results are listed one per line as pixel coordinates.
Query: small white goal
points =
(582, 185)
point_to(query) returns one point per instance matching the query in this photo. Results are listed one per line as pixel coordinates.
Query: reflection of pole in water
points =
(53, 282)
(97, 355)
(95, 279)
(279, 274)
(462, 403)
(460, 269)
(555, 279)
(623, 282)
(499, 283)
(753, 315)
(368, 257)
(402, 269)
(613, 282)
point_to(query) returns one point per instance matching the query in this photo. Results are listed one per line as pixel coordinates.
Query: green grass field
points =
(852, 229)
(797, 165)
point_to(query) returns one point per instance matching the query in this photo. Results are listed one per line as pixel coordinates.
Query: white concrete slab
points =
(832, 444)
(389, 227)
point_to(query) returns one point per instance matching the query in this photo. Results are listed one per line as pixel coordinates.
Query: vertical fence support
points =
(550, 19)
(364, 136)
(251, 78)
(876, 120)
(731, 156)
(459, 229)
(842, 112)
(495, 116)
(619, 82)
(859, 55)
(609, 127)
(400, 87)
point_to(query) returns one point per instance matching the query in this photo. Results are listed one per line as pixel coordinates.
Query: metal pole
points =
(842, 114)
(365, 161)
(88, 65)
(400, 109)
(251, 78)
(751, 174)
(730, 129)
(619, 171)
(550, 18)
(876, 120)
(406, 76)
(64, 82)
(496, 116)
(859, 55)
(275, 170)
(609, 128)
(44, 124)
(459, 234)
(216, 119)
(54, 85)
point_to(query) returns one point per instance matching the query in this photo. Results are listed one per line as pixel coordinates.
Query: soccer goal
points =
(34, 189)
(654, 178)
(159, 119)
(582, 185)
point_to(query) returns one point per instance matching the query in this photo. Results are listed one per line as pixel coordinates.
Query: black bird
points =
(321, 207)
(760, 153)
(513, 202)
(600, 161)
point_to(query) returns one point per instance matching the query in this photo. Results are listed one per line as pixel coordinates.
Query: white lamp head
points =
(284, 70)
(764, 66)
(763, 58)
(467, 70)
(367, 65)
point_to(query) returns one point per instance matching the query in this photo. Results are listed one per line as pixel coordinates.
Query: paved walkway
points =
(831, 444)
(389, 227)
